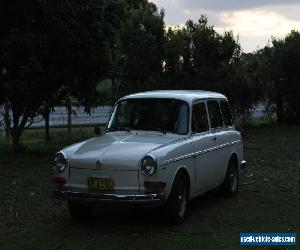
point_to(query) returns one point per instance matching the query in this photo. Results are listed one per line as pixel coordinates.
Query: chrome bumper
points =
(109, 197)
(243, 164)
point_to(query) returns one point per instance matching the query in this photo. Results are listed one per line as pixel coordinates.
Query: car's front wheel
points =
(79, 212)
(175, 208)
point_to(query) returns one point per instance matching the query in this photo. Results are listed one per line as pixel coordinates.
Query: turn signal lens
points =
(155, 184)
(58, 180)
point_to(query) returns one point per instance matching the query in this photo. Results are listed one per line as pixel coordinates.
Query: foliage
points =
(197, 57)
(60, 50)
(23, 50)
(287, 81)
(104, 94)
(245, 88)
(278, 71)
(81, 54)
(139, 51)
(50, 49)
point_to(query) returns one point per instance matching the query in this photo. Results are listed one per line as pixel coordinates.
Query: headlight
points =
(148, 165)
(60, 162)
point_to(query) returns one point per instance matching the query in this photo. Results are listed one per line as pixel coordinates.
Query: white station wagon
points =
(160, 148)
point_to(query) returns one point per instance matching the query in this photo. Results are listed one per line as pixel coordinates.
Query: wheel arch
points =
(233, 157)
(184, 170)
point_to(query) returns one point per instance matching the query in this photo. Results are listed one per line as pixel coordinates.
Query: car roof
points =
(185, 95)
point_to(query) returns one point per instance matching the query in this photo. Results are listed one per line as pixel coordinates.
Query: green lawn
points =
(268, 201)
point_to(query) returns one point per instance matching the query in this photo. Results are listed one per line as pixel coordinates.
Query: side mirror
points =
(97, 130)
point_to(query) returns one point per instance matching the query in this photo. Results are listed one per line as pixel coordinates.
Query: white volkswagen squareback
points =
(160, 148)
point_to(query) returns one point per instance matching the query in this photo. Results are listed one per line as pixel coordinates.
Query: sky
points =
(253, 22)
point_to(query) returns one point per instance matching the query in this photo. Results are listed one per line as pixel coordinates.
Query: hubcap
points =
(181, 198)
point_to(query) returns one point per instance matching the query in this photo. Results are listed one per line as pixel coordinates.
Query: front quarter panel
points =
(170, 159)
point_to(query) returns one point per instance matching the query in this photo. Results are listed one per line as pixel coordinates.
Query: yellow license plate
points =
(100, 184)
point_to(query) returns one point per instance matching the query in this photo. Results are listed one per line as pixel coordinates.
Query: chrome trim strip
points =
(200, 152)
(108, 197)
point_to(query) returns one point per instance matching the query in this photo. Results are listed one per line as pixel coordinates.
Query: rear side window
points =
(214, 114)
(199, 118)
(227, 117)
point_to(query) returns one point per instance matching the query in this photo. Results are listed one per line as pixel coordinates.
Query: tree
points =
(23, 48)
(197, 57)
(139, 49)
(246, 86)
(287, 81)
(46, 45)
(178, 64)
(280, 70)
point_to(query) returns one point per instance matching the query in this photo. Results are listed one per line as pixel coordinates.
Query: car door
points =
(220, 141)
(229, 132)
(202, 140)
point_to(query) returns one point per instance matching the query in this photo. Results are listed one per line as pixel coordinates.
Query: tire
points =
(80, 212)
(230, 185)
(175, 208)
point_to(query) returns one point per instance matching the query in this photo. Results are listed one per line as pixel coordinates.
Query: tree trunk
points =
(18, 128)
(16, 140)
(46, 116)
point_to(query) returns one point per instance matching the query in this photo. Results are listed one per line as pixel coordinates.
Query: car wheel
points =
(230, 186)
(176, 205)
(79, 212)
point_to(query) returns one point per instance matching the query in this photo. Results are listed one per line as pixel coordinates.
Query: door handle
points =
(214, 138)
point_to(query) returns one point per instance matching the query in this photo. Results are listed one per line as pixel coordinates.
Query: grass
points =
(268, 201)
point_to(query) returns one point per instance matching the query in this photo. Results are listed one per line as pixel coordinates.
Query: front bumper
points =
(243, 164)
(94, 198)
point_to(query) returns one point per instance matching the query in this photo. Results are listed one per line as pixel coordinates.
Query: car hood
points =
(116, 150)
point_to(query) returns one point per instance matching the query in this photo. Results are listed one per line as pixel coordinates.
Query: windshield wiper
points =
(119, 128)
(153, 128)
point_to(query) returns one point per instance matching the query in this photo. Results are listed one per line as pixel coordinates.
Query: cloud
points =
(254, 21)
(229, 4)
(256, 27)
(257, 22)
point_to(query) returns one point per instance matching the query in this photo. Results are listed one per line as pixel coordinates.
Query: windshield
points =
(164, 115)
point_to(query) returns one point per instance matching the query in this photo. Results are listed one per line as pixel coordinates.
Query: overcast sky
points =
(253, 21)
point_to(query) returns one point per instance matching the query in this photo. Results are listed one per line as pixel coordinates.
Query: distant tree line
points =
(54, 52)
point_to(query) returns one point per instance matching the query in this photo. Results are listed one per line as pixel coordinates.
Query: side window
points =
(214, 114)
(199, 118)
(227, 117)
